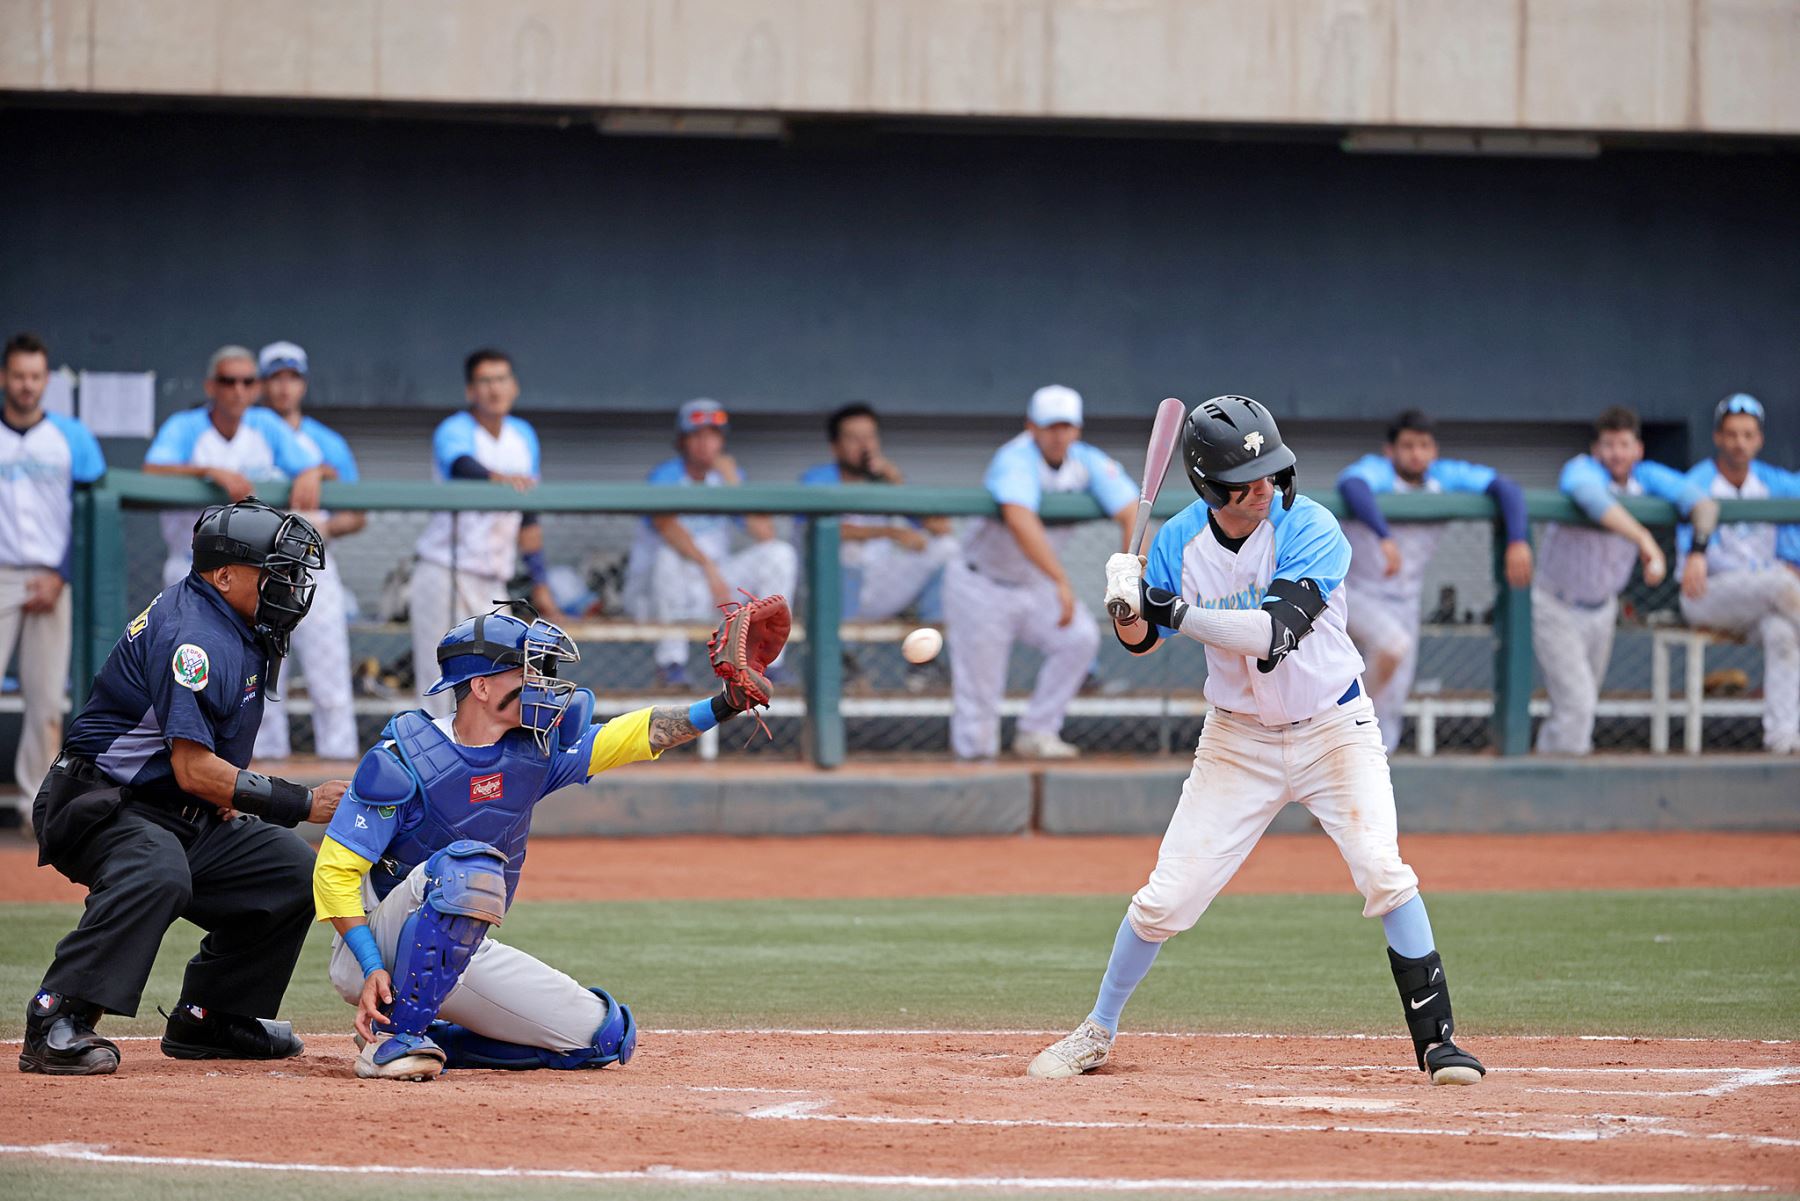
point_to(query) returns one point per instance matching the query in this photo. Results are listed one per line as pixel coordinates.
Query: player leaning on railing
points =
(1255, 573)
(432, 836)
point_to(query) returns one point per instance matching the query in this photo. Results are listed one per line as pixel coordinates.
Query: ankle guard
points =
(1424, 999)
(613, 1042)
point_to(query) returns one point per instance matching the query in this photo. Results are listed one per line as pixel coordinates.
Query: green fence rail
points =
(101, 606)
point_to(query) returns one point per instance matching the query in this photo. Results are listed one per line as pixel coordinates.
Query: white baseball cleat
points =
(423, 1061)
(1083, 1051)
(1028, 744)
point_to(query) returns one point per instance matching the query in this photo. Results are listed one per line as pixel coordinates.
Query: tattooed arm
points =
(672, 725)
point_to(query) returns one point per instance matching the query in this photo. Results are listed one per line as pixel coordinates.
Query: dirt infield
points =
(702, 868)
(956, 1107)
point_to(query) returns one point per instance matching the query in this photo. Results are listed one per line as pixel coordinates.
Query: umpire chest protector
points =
(485, 793)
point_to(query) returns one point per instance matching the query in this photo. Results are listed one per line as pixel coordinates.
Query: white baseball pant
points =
(436, 603)
(43, 670)
(1573, 646)
(1386, 634)
(983, 618)
(1244, 773)
(1763, 603)
(678, 590)
(893, 577)
(320, 648)
(503, 993)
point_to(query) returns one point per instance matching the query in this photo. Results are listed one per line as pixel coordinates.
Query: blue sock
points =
(1130, 962)
(1409, 929)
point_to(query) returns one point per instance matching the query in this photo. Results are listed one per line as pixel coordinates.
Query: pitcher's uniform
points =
(1575, 594)
(1385, 610)
(994, 595)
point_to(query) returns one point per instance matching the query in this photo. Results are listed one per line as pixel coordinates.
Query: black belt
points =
(169, 800)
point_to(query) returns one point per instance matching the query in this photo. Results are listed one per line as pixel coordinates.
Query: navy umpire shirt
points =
(187, 667)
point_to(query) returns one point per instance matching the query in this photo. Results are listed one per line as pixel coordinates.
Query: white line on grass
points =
(68, 1151)
(1192, 1035)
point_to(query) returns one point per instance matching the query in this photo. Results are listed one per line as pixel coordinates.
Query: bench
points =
(1665, 643)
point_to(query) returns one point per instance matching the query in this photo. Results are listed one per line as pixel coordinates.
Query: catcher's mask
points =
(491, 643)
(1229, 443)
(284, 546)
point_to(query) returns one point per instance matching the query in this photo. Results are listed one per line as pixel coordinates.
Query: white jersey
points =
(1739, 545)
(1304, 542)
(1587, 566)
(1018, 475)
(478, 543)
(263, 450)
(1416, 540)
(38, 469)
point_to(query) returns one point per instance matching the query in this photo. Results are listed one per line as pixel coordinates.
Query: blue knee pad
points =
(466, 895)
(613, 1042)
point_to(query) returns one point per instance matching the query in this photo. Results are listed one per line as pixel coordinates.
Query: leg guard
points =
(1425, 1002)
(613, 1042)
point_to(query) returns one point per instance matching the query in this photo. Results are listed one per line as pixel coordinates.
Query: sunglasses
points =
(696, 421)
(235, 381)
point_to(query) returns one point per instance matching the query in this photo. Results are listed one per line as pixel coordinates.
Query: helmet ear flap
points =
(1284, 482)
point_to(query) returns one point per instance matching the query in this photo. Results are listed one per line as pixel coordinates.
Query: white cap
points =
(1053, 404)
(280, 356)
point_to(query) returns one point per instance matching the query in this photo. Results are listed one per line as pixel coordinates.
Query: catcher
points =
(424, 853)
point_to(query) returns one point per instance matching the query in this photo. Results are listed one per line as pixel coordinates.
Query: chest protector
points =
(485, 793)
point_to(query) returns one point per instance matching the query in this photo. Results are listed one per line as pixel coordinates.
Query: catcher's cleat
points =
(1085, 1049)
(400, 1057)
(1450, 1064)
(60, 1039)
(195, 1032)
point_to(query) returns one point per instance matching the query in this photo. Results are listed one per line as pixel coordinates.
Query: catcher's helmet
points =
(1230, 442)
(285, 546)
(491, 643)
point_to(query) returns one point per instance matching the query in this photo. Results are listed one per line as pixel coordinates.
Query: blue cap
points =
(1738, 402)
(701, 414)
(280, 356)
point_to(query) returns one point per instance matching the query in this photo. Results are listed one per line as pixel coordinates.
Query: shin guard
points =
(1424, 999)
(613, 1042)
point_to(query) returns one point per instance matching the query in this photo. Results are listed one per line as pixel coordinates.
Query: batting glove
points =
(1124, 585)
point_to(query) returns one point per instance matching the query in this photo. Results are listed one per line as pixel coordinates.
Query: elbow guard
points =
(275, 800)
(1162, 607)
(1292, 607)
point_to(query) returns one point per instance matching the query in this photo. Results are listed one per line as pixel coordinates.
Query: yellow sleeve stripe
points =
(624, 739)
(337, 881)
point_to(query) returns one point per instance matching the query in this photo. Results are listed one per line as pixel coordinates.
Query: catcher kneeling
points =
(424, 852)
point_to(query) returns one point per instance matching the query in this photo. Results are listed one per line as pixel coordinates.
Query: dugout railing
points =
(103, 599)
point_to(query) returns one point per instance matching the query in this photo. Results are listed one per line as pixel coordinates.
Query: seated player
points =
(425, 853)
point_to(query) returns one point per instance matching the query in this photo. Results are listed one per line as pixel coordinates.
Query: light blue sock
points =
(1409, 929)
(1131, 960)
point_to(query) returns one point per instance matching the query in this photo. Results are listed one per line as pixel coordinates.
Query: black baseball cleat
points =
(194, 1032)
(1450, 1064)
(60, 1038)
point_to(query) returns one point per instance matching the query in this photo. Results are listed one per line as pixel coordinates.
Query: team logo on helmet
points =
(1253, 442)
(191, 667)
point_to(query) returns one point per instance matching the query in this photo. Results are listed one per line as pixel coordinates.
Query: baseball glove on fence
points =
(744, 645)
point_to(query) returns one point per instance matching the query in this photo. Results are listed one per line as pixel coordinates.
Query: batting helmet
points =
(491, 643)
(285, 546)
(1229, 443)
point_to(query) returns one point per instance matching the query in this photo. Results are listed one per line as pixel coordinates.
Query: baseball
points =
(922, 646)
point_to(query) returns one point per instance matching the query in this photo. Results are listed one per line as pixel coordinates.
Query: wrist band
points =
(361, 941)
(271, 798)
(722, 710)
(701, 715)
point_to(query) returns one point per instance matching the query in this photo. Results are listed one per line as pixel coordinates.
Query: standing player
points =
(230, 444)
(1256, 573)
(432, 836)
(1387, 567)
(1009, 583)
(1581, 571)
(1748, 591)
(42, 457)
(322, 643)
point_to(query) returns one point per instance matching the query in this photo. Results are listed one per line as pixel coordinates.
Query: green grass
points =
(1689, 962)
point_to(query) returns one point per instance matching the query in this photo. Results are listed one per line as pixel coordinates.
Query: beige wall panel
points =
(45, 45)
(1749, 65)
(1611, 64)
(957, 56)
(1232, 59)
(1456, 62)
(526, 51)
(171, 46)
(341, 38)
(798, 54)
(1343, 68)
(263, 48)
(1109, 58)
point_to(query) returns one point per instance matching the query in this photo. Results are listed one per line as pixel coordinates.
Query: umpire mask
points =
(285, 547)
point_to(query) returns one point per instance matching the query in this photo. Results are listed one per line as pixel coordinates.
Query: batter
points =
(1256, 574)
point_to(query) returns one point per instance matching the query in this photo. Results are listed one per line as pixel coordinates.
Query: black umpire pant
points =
(148, 861)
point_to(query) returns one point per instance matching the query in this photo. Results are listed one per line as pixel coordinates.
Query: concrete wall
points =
(1610, 65)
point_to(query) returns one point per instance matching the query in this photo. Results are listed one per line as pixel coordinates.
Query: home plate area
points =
(950, 1108)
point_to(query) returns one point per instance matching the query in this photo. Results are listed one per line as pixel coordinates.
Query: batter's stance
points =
(1256, 573)
(431, 837)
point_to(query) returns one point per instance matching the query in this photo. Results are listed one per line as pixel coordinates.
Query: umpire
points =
(150, 807)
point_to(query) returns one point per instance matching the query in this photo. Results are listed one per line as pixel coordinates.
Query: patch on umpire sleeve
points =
(191, 667)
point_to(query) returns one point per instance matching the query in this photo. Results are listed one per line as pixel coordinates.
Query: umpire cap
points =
(284, 546)
(1230, 442)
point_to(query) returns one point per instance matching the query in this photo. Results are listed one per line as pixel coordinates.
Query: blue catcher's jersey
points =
(486, 793)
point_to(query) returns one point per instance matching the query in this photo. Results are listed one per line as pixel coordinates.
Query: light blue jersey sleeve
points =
(365, 827)
(1666, 483)
(1373, 470)
(1015, 475)
(1162, 567)
(455, 437)
(292, 456)
(86, 463)
(523, 428)
(332, 447)
(1454, 475)
(669, 471)
(824, 475)
(1782, 483)
(1586, 483)
(1108, 482)
(174, 443)
(1310, 545)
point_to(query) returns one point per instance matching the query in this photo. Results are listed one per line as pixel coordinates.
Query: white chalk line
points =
(1177, 1035)
(81, 1154)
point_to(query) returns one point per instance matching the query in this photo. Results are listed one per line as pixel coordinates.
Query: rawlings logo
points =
(484, 788)
(1253, 441)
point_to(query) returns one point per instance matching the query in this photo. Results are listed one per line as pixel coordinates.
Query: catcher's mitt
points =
(744, 645)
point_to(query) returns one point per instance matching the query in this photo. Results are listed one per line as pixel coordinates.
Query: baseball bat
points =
(1170, 415)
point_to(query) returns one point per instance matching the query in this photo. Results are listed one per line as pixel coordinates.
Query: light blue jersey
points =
(38, 470)
(1584, 566)
(1019, 475)
(1740, 545)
